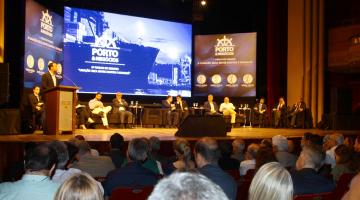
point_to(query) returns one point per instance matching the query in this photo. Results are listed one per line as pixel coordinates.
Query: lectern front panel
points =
(65, 111)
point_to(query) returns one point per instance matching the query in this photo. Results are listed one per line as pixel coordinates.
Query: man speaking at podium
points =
(49, 80)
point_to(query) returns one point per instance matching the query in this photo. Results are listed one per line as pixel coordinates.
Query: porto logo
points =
(248, 80)
(105, 49)
(231, 79)
(30, 61)
(216, 79)
(105, 42)
(224, 47)
(201, 79)
(41, 64)
(46, 24)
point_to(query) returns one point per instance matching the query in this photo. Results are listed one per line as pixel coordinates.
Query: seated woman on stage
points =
(182, 151)
(280, 113)
(228, 108)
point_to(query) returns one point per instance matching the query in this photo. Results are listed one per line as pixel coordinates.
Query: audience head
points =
(182, 150)
(79, 186)
(61, 152)
(338, 138)
(343, 154)
(357, 144)
(310, 138)
(266, 143)
(333, 140)
(349, 141)
(138, 149)
(84, 147)
(73, 150)
(80, 137)
(210, 97)
(251, 151)
(279, 143)
(271, 182)
(154, 143)
(311, 156)
(225, 148)
(184, 186)
(238, 146)
(41, 159)
(264, 155)
(116, 141)
(206, 152)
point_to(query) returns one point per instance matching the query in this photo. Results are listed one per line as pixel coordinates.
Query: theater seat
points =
(321, 196)
(234, 173)
(342, 185)
(131, 193)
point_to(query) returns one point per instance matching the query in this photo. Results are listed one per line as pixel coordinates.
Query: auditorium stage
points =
(165, 134)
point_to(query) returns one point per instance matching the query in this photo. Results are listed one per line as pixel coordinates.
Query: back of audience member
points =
(96, 166)
(151, 163)
(207, 154)
(305, 179)
(133, 174)
(350, 141)
(335, 140)
(79, 186)
(238, 146)
(354, 192)
(266, 143)
(35, 183)
(116, 152)
(225, 161)
(92, 151)
(185, 185)
(271, 182)
(184, 161)
(264, 155)
(155, 144)
(73, 150)
(250, 156)
(280, 147)
(345, 162)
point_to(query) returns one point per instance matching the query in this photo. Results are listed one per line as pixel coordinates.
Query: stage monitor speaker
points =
(4, 83)
(201, 126)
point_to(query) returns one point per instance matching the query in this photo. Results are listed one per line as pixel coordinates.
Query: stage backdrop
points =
(225, 65)
(43, 42)
(106, 52)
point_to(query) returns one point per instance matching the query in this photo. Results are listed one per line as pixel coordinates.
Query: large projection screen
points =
(107, 52)
(225, 65)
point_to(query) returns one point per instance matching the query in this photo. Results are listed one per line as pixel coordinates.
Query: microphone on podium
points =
(71, 81)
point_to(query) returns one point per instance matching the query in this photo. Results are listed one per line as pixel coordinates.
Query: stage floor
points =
(166, 134)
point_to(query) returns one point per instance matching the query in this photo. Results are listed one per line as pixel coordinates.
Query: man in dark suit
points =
(260, 111)
(120, 106)
(297, 110)
(49, 80)
(133, 174)
(306, 180)
(37, 108)
(207, 155)
(172, 116)
(210, 106)
(182, 108)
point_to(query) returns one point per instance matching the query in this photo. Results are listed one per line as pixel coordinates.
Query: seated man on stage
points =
(210, 106)
(37, 108)
(280, 113)
(228, 108)
(260, 111)
(83, 114)
(182, 108)
(97, 107)
(172, 117)
(297, 110)
(120, 106)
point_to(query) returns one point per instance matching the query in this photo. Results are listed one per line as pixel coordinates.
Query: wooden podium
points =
(60, 110)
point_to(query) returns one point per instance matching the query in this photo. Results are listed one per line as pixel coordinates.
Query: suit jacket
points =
(165, 104)
(299, 105)
(221, 178)
(208, 108)
(263, 107)
(33, 101)
(133, 175)
(307, 181)
(117, 105)
(47, 81)
(184, 105)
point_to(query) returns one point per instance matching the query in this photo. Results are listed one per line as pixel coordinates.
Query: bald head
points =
(207, 149)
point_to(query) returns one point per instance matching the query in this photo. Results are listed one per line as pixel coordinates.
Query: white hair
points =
(280, 142)
(187, 186)
(271, 182)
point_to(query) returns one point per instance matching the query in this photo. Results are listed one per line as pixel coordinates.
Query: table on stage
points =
(247, 112)
(137, 111)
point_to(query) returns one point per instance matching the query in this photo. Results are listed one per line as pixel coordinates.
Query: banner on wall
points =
(43, 42)
(225, 65)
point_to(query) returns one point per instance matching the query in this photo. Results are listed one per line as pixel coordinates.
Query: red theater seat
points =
(131, 193)
(321, 196)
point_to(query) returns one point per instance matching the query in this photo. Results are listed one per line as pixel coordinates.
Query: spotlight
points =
(203, 2)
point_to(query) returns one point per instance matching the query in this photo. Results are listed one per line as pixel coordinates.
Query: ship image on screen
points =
(225, 65)
(107, 52)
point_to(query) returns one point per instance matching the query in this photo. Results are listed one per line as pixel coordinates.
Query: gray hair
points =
(185, 186)
(338, 138)
(62, 153)
(240, 144)
(253, 149)
(280, 142)
(271, 182)
(154, 143)
(138, 149)
(314, 155)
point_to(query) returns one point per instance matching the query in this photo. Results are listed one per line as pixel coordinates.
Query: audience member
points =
(280, 147)
(92, 151)
(271, 182)
(185, 185)
(36, 183)
(238, 149)
(133, 174)
(312, 139)
(336, 139)
(154, 150)
(80, 186)
(206, 157)
(354, 192)
(305, 179)
(72, 151)
(184, 162)
(225, 161)
(344, 162)
(96, 166)
(116, 153)
(250, 156)
(350, 141)
(264, 155)
(266, 143)
(152, 164)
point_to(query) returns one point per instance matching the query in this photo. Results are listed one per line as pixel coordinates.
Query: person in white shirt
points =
(97, 107)
(228, 108)
(250, 159)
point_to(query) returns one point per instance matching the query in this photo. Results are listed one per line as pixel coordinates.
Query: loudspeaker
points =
(201, 126)
(4, 83)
